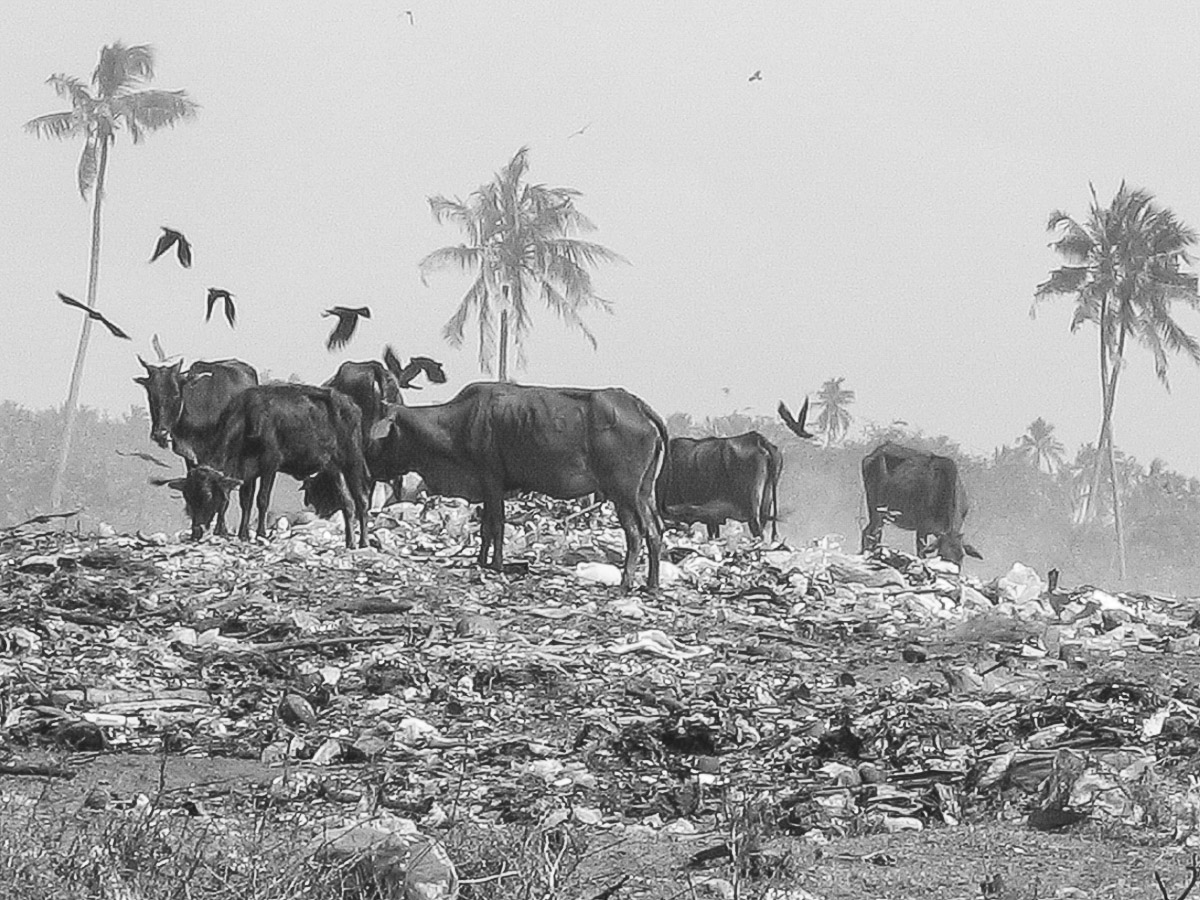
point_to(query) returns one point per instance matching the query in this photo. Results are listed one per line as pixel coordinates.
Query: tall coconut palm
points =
(1124, 268)
(519, 245)
(1039, 445)
(97, 115)
(833, 418)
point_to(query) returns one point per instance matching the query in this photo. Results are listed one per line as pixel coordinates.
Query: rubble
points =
(850, 694)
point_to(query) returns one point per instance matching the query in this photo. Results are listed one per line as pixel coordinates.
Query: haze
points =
(873, 208)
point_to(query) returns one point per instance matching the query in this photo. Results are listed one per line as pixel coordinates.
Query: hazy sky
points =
(873, 208)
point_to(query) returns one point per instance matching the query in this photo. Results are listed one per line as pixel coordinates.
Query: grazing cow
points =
(713, 479)
(291, 428)
(565, 442)
(186, 406)
(919, 492)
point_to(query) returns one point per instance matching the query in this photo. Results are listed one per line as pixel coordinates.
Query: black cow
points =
(291, 428)
(713, 479)
(919, 492)
(186, 406)
(564, 442)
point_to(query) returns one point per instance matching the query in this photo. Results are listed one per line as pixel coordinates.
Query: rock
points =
(387, 857)
(295, 710)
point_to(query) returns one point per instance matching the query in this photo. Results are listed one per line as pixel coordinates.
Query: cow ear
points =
(142, 380)
(175, 484)
(971, 551)
(230, 483)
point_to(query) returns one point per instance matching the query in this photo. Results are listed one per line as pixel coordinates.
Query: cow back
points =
(208, 388)
(728, 471)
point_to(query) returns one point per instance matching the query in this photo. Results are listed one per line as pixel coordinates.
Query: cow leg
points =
(631, 524)
(362, 503)
(492, 528)
(350, 504)
(221, 528)
(266, 481)
(714, 530)
(246, 498)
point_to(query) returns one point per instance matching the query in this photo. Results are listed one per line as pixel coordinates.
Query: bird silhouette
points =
(146, 456)
(92, 314)
(405, 374)
(215, 294)
(796, 426)
(347, 321)
(757, 76)
(580, 131)
(182, 248)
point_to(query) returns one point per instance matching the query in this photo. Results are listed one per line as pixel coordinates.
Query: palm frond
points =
(462, 257)
(446, 208)
(56, 125)
(73, 89)
(152, 110)
(567, 311)
(121, 66)
(455, 329)
(86, 174)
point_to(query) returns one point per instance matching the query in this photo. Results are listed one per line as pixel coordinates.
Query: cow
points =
(919, 492)
(296, 429)
(713, 479)
(566, 442)
(373, 386)
(185, 406)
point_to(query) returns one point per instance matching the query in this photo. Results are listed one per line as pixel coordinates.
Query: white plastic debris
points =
(1020, 584)
(600, 573)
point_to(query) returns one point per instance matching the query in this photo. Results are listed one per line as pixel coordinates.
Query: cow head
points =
(951, 547)
(164, 393)
(205, 494)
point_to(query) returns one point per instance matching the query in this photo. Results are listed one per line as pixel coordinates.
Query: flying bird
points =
(580, 131)
(215, 294)
(757, 76)
(92, 314)
(182, 248)
(347, 321)
(146, 456)
(795, 426)
(405, 374)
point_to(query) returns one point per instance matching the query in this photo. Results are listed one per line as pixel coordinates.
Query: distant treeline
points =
(1019, 511)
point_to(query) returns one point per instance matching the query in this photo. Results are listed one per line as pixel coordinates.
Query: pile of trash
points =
(841, 693)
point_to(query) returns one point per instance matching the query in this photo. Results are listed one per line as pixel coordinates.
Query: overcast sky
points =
(873, 208)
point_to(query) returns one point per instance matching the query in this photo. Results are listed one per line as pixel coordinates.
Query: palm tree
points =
(519, 245)
(1040, 445)
(832, 401)
(97, 115)
(1123, 266)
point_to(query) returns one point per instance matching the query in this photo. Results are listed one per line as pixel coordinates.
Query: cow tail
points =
(661, 465)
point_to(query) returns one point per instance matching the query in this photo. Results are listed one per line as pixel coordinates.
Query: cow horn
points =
(146, 365)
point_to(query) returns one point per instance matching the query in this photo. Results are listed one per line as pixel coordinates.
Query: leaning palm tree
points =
(97, 115)
(1124, 268)
(519, 244)
(1039, 445)
(832, 401)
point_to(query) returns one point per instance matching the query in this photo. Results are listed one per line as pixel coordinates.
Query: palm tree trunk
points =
(1089, 502)
(1112, 464)
(71, 408)
(503, 345)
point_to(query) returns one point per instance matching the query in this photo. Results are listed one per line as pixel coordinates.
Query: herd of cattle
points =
(493, 439)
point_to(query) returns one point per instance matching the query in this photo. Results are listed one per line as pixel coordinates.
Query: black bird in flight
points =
(92, 314)
(580, 131)
(182, 248)
(215, 294)
(795, 426)
(347, 321)
(757, 76)
(146, 456)
(405, 374)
